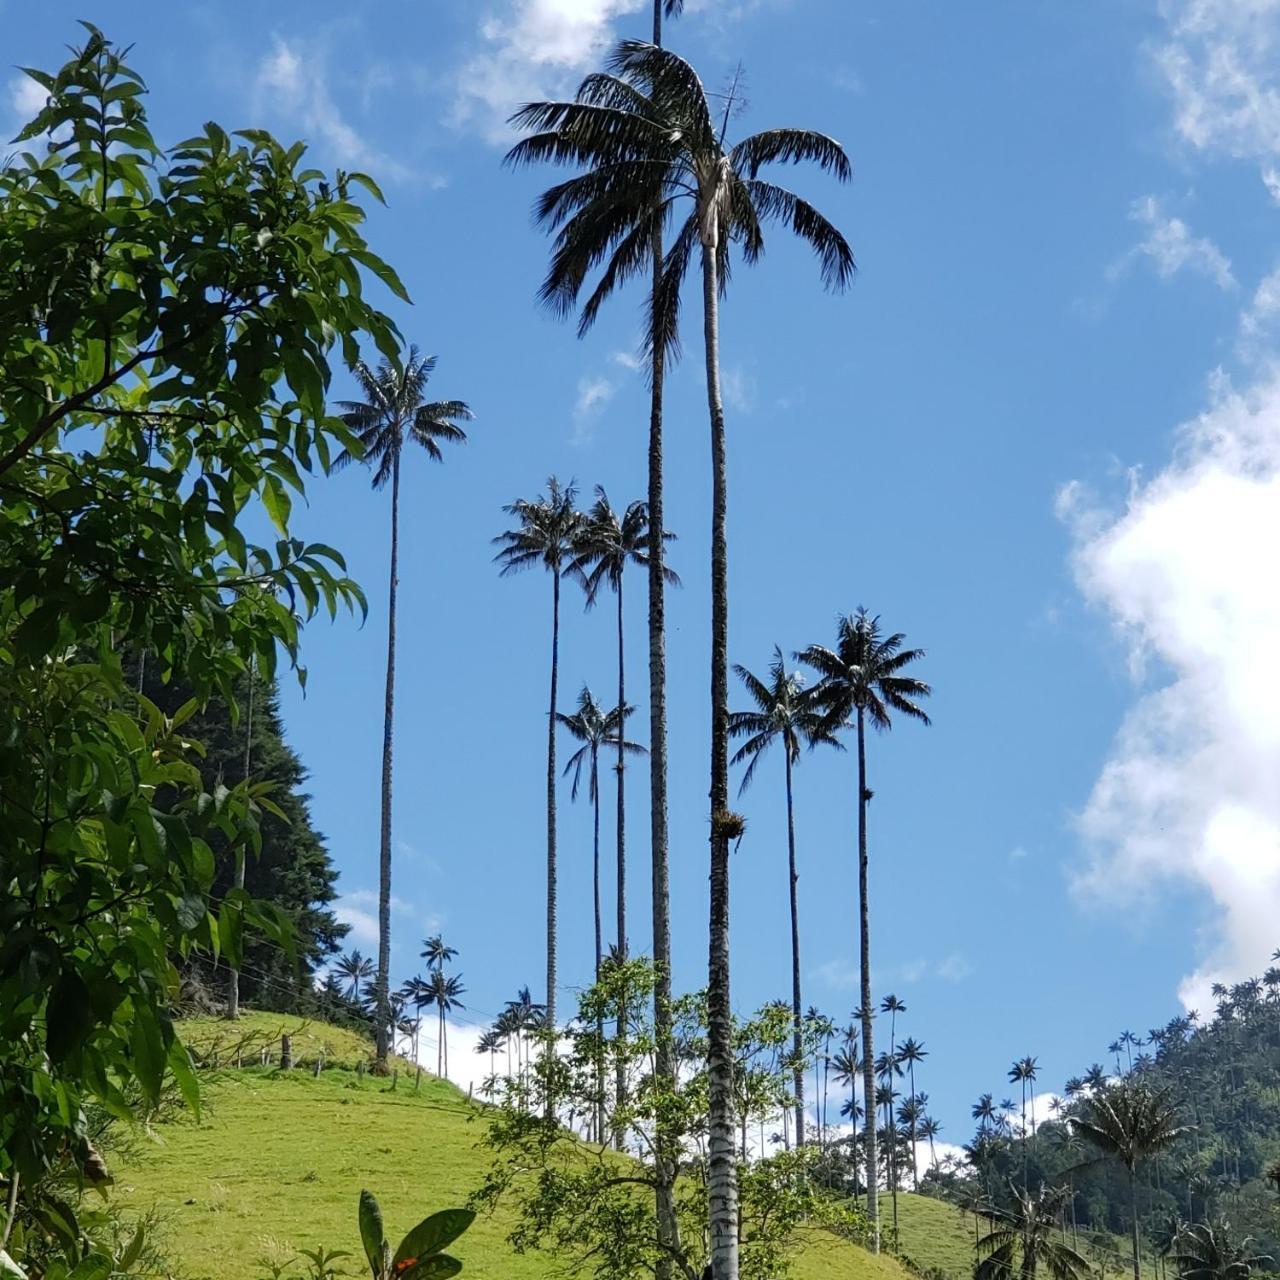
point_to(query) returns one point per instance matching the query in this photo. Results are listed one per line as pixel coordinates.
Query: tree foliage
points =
(166, 322)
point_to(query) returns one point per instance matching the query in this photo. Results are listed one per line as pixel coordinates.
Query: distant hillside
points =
(278, 1160)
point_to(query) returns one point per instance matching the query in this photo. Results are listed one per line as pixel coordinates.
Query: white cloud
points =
(1188, 794)
(361, 923)
(359, 910)
(1271, 180)
(26, 100)
(294, 80)
(955, 968)
(1171, 247)
(1017, 854)
(738, 388)
(594, 392)
(1221, 61)
(532, 49)
(1259, 317)
(839, 975)
(628, 360)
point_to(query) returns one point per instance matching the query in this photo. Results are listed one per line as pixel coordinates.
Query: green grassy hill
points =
(277, 1161)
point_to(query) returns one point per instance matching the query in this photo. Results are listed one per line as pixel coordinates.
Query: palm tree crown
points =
(785, 712)
(394, 411)
(612, 541)
(549, 532)
(863, 673)
(647, 139)
(595, 728)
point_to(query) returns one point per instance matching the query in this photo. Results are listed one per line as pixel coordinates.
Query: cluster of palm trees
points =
(656, 186)
(520, 1023)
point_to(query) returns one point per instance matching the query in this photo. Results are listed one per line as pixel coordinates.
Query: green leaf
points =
(433, 1233)
(69, 1018)
(439, 1266)
(277, 502)
(147, 1046)
(371, 1232)
(180, 1065)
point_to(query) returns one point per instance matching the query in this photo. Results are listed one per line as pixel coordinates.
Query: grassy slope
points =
(277, 1163)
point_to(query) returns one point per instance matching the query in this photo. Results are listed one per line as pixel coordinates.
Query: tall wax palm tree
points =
(611, 543)
(862, 683)
(445, 993)
(787, 713)
(436, 952)
(417, 992)
(646, 136)
(911, 1052)
(889, 1065)
(1021, 1239)
(928, 1131)
(355, 970)
(595, 728)
(847, 1069)
(392, 414)
(1023, 1072)
(1130, 1121)
(549, 533)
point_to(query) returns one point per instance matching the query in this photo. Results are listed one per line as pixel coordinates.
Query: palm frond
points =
(834, 254)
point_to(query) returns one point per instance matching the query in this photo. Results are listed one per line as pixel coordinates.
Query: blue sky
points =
(1041, 436)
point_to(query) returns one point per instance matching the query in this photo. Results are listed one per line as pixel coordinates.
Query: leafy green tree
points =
(786, 713)
(593, 1211)
(165, 334)
(862, 682)
(392, 415)
(1021, 1239)
(549, 532)
(291, 867)
(1130, 1121)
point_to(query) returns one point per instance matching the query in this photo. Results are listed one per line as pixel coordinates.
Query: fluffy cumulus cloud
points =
(1170, 246)
(1186, 571)
(1221, 61)
(531, 49)
(358, 910)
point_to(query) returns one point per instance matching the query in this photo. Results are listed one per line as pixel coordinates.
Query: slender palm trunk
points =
(595, 876)
(864, 939)
(551, 807)
(233, 985)
(382, 991)
(792, 879)
(667, 1147)
(723, 1188)
(440, 1039)
(620, 1081)
(915, 1176)
(1133, 1206)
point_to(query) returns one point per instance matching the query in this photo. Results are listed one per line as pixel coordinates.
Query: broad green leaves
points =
(419, 1256)
(168, 322)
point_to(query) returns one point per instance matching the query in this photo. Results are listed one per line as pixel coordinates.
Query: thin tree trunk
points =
(595, 874)
(11, 1208)
(382, 993)
(792, 879)
(723, 1189)
(1133, 1205)
(620, 1079)
(233, 985)
(551, 808)
(868, 1066)
(666, 1142)
(915, 1176)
